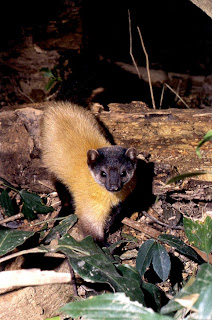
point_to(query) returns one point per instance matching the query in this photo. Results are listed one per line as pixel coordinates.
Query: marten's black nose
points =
(114, 188)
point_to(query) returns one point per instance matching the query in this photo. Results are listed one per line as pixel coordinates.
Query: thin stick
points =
(162, 94)
(131, 54)
(24, 94)
(147, 68)
(161, 223)
(12, 218)
(20, 253)
(178, 88)
(170, 88)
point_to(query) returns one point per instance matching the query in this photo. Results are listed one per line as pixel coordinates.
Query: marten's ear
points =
(132, 154)
(92, 155)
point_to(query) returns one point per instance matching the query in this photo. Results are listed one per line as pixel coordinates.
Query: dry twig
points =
(131, 54)
(153, 233)
(12, 218)
(172, 90)
(160, 222)
(147, 68)
(20, 253)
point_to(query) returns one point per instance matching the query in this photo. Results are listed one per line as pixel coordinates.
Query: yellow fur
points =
(68, 132)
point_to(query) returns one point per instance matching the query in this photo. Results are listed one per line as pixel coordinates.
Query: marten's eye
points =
(123, 174)
(103, 174)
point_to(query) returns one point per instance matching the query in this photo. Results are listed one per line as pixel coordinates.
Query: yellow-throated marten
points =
(98, 175)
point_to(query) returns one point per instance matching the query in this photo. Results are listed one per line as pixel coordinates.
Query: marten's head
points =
(112, 167)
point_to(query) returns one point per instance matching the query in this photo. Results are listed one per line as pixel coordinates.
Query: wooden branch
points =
(31, 277)
(12, 218)
(153, 233)
(159, 77)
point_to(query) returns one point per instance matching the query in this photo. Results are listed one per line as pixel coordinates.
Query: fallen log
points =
(168, 136)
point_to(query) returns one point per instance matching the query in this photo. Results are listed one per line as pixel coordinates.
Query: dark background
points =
(177, 36)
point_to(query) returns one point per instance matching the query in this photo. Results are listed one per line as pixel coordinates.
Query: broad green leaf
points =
(204, 304)
(199, 233)
(72, 247)
(62, 228)
(6, 203)
(109, 255)
(28, 212)
(180, 246)
(87, 258)
(10, 239)
(207, 137)
(129, 272)
(93, 265)
(202, 286)
(161, 261)
(186, 175)
(144, 256)
(131, 279)
(152, 293)
(34, 202)
(111, 306)
(113, 246)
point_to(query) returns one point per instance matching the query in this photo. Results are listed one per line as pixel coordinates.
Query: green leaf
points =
(202, 286)
(186, 175)
(111, 307)
(62, 228)
(10, 239)
(207, 137)
(144, 257)
(129, 272)
(85, 255)
(205, 309)
(199, 233)
(93, 265)
(47, 72)
(180, 246)
(113, 246)
(50, 83)
(131, 280)
(161, 261)
(6, 203)
(34, 202)
(152, 292)
(55, 73)
(28, 212)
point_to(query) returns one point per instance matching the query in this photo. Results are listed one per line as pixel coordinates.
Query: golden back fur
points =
(68, 132)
